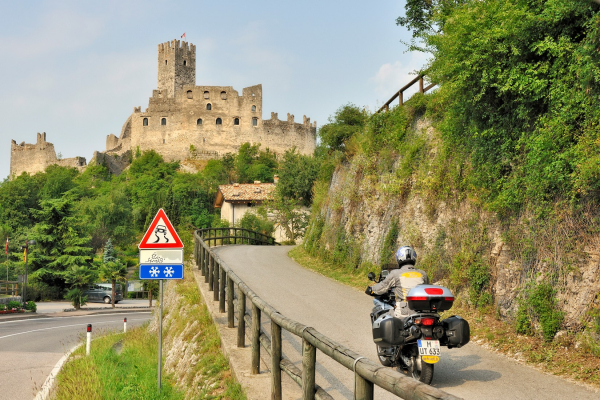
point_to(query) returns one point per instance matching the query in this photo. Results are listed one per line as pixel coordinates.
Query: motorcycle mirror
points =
(371, 276)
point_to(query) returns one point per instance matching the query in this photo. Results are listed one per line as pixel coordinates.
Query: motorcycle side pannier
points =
(387, 331)
(430, 298)
(456, 332)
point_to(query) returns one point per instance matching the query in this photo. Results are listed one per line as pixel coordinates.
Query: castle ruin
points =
(32, 158)
(185, 121)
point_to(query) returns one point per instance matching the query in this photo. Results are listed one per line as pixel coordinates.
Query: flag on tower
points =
(6, 249)
(183, 36)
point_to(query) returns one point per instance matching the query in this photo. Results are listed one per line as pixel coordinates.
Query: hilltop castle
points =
(182, 121)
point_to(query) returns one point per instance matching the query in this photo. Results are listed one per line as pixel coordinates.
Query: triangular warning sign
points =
(161, 234)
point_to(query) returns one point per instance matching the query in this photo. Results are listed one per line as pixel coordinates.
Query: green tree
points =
(78, 278)
(60, 245)
(347, 121)
(112, 269)
(297, 175)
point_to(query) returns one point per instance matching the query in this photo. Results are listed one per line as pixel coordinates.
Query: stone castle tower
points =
(185, 121)
(176, 67)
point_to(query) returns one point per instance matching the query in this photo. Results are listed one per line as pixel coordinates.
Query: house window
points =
(145, 122)
(254, 121)
(236, 121)
(163, 121)
(249, 204)
(184, 63)
(223, 95)
(206, 94)
(208, 107)
(199, 121)
(165, 62)
(219, 121)
(163, 141)
(253, 108)
(189, 94)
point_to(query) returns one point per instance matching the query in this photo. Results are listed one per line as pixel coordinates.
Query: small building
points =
(237, 199)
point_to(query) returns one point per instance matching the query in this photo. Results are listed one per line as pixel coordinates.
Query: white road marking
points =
(74, 316)
(63, 326)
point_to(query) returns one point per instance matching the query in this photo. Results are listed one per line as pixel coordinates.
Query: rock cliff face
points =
(451, 235)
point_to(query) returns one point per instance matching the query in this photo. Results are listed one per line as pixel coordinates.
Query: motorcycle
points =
(413, 344)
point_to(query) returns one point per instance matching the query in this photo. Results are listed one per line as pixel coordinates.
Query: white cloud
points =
(392, 76)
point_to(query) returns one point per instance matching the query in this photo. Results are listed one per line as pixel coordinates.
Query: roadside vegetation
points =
(120, 366)
(509, 144)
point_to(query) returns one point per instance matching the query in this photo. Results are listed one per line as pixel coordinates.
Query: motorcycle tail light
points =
(428, 321)
(449, 298)
(416, 298)
(434, 290)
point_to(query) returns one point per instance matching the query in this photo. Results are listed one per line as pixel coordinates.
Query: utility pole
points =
(26, 247)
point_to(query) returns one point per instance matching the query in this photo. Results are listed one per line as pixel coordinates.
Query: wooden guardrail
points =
(235, 236)
(9, 287)
(400, 93)
(227, 287)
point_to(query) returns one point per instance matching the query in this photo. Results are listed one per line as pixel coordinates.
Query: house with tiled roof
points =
(238, 198)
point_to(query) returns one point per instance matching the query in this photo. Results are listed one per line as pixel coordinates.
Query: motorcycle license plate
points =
(429, 350)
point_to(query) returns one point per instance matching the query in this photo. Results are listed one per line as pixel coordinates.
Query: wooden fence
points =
(235, 236)
(9, 287)
(400, 93)
(228, 289)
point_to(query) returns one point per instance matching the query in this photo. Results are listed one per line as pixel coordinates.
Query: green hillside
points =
(494, 177)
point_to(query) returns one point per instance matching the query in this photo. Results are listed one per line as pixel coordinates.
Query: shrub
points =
(13, 304)
(31, 306)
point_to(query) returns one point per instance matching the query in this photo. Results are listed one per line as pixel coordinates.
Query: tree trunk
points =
(113, 293)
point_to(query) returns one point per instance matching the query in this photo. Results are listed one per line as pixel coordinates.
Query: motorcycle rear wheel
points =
(385, 361)
(425, 374)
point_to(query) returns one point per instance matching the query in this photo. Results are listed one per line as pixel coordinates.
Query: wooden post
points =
(309, 359)
(364, 388)
(401, 97)
(275, 361)
(255, 367)
(205, 264)
(216, 269)
(211, 263)
(201, 263)
(241, 337)
(222, 290)
(421, 84)
(230, 322)
(387, 107)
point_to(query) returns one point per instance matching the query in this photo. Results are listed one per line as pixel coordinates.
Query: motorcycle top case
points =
(388, 331)
(456, 332)
(430, 298)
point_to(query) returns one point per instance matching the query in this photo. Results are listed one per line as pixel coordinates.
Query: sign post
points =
(161, 257)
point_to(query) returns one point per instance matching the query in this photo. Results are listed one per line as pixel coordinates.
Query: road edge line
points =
(46, 390)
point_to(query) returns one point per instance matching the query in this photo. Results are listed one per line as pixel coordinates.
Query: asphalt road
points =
(30, 348)
(342, 313)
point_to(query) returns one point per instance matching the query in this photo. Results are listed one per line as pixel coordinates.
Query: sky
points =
(76, 70)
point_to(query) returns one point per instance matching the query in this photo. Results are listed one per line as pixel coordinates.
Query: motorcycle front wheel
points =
(421, 371)
(385, 361)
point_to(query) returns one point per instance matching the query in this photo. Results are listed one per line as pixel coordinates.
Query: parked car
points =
(101, 293)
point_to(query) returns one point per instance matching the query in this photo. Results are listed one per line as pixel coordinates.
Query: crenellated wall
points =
(33, 158)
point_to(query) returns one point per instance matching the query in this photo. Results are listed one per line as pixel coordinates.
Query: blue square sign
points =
(161, 271)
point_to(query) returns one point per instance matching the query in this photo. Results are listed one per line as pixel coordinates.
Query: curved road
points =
(342, 313)
(29, 348)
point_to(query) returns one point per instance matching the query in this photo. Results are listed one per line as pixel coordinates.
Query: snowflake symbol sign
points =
(168, 272)
(154, 271)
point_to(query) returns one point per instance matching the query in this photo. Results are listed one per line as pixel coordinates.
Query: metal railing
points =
(235, 236)
(227, 287)
(400, 93)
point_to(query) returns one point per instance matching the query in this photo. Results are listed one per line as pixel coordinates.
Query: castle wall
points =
(33, 158)
(182, 131)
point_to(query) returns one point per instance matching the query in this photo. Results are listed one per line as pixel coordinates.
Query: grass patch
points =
(109, 373)
(355, 277)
